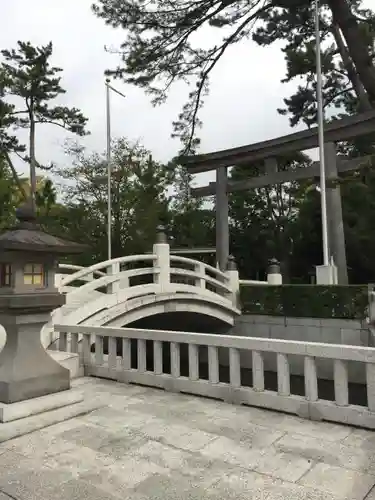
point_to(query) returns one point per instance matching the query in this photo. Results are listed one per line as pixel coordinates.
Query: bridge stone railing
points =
(146, 365)
(66, 270)
(157, 272)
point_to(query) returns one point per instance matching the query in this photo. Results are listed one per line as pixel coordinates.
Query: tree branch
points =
(205, 74)
(15, 176)
(51, 122)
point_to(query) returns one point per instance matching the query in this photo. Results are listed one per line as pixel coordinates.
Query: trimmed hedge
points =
(306, 301)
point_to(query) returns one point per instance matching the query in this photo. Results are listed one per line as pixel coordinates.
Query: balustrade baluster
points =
(213, 364)
(283, 375)
(63, 341)
(311, 379)
(86, 348)
(370, 382)
(175, 360)
(99, 350)
(126, 354)
(112, 353)
(141, 351)
(193, 362)
(340, 376)
(158, 357)
(74, 343)
(234, 367)
(258, 371)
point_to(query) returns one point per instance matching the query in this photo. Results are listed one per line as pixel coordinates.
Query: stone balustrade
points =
(148, 368)
(159, 271)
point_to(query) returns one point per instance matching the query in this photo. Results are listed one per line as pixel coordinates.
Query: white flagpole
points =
(109, 206)
(109, 166)
(319, 90)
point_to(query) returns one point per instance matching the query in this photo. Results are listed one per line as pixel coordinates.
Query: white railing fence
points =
(156, 272)
(66, 270)
(254, 282)
(146, 366)
(274, 277)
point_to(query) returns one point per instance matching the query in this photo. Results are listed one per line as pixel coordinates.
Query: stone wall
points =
(330, 331)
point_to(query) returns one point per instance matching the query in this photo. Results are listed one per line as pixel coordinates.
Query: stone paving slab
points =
(146, 444)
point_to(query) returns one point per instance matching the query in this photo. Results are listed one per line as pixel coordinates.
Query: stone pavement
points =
(145, 444)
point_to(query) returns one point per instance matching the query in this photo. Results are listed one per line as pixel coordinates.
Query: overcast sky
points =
(241, 108)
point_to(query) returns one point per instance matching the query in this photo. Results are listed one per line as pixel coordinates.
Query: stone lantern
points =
(28, 259)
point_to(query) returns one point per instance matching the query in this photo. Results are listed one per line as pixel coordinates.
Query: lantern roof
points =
(27, 235)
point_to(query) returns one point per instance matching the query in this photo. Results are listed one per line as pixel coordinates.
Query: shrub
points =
(313, 301)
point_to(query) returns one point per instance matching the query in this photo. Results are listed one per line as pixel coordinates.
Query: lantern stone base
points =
(26, 370)
(14, 391)
(35, 406)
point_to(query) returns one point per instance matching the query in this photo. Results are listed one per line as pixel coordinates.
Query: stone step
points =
(11, 430)
(35, 406)
(68, 360)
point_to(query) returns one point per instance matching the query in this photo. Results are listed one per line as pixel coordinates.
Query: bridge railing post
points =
(234, 280)
(162, 262)
(200, 282)
(58, 280)
(113, 270)
(371, 312)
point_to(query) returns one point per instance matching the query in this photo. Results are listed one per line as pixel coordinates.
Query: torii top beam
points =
(338, 130)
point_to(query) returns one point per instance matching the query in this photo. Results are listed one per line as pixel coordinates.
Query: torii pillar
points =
(222, 218)
(336, 235)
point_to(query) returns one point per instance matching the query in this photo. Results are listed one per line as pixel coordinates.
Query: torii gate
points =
(268, 151)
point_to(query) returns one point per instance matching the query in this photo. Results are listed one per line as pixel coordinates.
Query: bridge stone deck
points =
(146, 444)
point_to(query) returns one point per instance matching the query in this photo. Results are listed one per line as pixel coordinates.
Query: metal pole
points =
(109, 205)
(319, 91)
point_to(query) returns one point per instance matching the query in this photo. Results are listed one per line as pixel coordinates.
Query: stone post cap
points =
(26, 213)
(273, 266)
(231, 264)
(161, 236)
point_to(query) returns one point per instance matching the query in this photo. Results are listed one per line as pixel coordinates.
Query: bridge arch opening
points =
(178, 321)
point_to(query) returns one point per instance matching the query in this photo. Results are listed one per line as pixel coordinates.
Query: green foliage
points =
(45, 197)
(6, 194)
(192, 228)
(263, 219)
(306, 301)
(190, 225)
(358, 194)
(139, 198)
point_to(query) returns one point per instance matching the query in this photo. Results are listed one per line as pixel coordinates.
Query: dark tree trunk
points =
(364, 102)
(357, 46)
(32, 161)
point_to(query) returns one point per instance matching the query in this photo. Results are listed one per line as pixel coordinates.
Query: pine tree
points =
(343, 89)
(26, 74)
